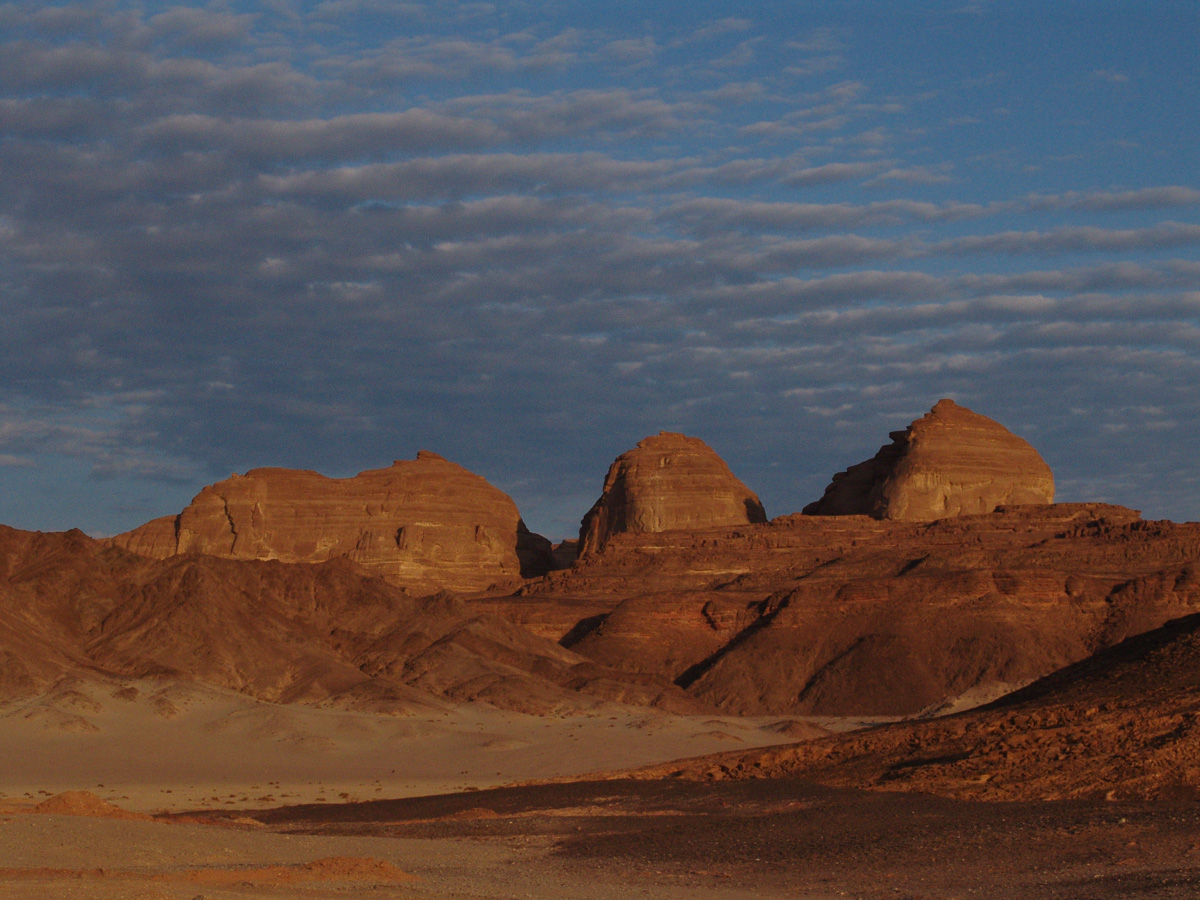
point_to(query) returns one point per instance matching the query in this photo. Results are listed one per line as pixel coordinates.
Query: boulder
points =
(950, 462)
(425, 523)
(668, 482)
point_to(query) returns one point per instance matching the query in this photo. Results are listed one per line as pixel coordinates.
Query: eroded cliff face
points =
(668, 482)
(285, 632)
(849, 615)
(425, 523)
(950, 462)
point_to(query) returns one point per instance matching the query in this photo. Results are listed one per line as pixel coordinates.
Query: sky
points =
(525, 235)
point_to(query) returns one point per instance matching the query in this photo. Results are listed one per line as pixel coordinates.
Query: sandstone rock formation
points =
(1118, 725)
(425, 523)
(847, 615)
(805, 615)
(325, 632)
(667, 482)
(950, 462)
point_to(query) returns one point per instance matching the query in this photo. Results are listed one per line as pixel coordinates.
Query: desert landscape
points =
(599, 450)
(933, 682)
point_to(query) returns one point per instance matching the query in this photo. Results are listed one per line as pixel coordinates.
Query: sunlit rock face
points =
(668, 482)
(423, 523)
(950, 462)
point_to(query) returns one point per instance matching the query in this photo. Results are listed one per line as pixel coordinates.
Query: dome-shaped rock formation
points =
(423, 523)
(950, 462)
(668, 482)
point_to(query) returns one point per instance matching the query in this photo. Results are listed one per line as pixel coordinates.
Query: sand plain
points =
(165, 746)
(196, 764)
(231, 797)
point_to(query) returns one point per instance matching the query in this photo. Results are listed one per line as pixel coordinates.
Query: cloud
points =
(830, 173)
(35, 66)
(913, 175)
(632, 51)
(200, 29)
(712, 31)
(410, 59)
(97, 430)
(357, 135)
(464, 175)
(529, 117)
(715, 212)
(306, 238)
(1069, 239)
(1116, 201)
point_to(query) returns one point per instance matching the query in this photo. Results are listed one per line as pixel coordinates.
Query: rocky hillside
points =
(950, 462)
(284, 632)
(1123, 724)
(668, 482)
(848, 615)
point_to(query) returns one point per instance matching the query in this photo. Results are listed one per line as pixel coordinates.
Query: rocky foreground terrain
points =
(1122, 723)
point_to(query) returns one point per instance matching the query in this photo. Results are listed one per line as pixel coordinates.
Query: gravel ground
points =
(790, 838)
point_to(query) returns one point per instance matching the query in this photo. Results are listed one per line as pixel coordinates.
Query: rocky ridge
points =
(856, 616)
(681, 595)
(667, 482)
(1121, 724)
(950, 462)
(427, 524)
(283, 632)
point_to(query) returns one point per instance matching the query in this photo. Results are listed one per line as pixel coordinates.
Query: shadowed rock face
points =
(950, 462)
(668, 482)
(1121, 723)
(325, 632)
(423, 523)
(848, 615)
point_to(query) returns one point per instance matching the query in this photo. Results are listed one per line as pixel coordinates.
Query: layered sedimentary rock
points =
(326, 632)
(950, 462)
(1119, 725)
(847, 615)
(668, 482)
(423, 523)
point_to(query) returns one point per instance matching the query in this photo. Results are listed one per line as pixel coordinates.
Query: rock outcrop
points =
(950, 462)
(848, 615)
(1119, 724)
(668, 482)
(325, 633)
(425, 523)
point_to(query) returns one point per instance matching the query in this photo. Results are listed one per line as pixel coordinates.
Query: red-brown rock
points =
(1119, 724)
(284, 632)
(848, 615)
(425, 523)
(668, 482)
(950, 462)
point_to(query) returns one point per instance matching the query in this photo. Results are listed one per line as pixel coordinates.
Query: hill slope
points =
(284, 632)
(1123, 723)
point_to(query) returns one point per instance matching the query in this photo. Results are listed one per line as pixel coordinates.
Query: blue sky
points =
(525, 235)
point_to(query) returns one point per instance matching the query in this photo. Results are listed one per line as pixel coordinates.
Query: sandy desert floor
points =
(619, 839)
(256, 800)
(167, 746)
